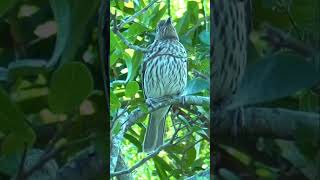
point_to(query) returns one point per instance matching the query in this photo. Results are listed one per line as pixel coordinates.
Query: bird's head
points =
(165, 30)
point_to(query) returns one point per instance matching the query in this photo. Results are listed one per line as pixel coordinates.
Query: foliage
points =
(50, 85)
(278, 76)
(191, 20)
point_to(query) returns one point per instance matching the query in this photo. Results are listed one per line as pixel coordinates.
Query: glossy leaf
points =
(132, 88)
(274, 77)
(72, 18)
(195, 86)
(12, 121)
(70, 85)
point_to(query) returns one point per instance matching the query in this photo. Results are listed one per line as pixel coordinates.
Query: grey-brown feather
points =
(230, 39)
(164, 73)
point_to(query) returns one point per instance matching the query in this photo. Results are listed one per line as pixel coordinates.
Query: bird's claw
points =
(151, 102)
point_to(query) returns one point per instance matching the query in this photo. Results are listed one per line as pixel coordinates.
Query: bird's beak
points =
(168, 21)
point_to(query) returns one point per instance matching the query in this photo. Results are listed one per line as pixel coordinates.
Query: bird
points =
(164, 74)
(229, 40)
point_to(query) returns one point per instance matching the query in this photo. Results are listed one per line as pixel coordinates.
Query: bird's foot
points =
(152, 102)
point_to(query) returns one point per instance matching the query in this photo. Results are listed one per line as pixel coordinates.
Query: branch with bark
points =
(268, 122)
(182, 100)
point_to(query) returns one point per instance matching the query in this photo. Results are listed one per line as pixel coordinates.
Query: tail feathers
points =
(156, 130)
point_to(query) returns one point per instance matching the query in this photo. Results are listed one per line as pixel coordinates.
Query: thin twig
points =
(199, 74)
(197, 25)
(153, 154)
(115, 29)
(120, 26)
(287, 11)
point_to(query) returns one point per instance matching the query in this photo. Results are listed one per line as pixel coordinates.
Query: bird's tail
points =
(156, 129)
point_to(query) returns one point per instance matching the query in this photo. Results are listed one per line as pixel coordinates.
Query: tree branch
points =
(116, 27)
(136, 14)
(268, 122)
(116, 142)
(153, 154)
(190, 100)
(278, 39)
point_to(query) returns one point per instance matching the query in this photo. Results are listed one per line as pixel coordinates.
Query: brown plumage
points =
(164, 73)
(229, 44)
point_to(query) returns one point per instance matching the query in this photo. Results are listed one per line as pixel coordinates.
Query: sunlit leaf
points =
(132, 88)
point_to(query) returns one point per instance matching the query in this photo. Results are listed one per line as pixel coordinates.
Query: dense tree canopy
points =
(189, 152)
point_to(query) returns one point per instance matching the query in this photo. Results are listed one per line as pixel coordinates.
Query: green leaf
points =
(183, 23)
(6, 5)
(164, 165)
(190, 157)
(161, 172)
(12, 121)
(157, 15)
(114, 103)
(115, 56)
(205, 37)
(133, 31)
(195, 86)
(116, 129)
(115, 43)
(70, 85)
(193, 8)
(132, 88)
(273, 77)
(134, 65)
(72, 19)
(134, 141)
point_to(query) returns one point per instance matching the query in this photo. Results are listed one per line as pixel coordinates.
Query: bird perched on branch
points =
(230, 27)
(164, 74)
